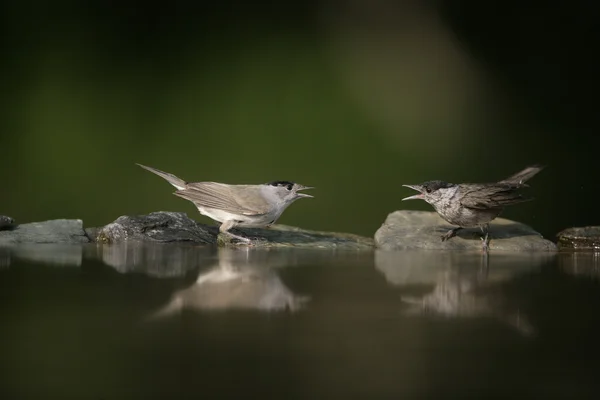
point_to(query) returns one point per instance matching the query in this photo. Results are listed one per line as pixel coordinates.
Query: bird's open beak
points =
(416, 196)
(303, 194)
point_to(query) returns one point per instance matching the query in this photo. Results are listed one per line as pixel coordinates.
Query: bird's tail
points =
(521, 177)
(172, 179)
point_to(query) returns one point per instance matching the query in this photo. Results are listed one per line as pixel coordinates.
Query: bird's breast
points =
(456, 214)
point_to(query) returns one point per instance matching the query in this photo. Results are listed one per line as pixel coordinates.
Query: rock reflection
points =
(580, 263)
(49, 253)
(172, 260)
(160, 260)
(4, 258)
(465, 284)
(240, 279)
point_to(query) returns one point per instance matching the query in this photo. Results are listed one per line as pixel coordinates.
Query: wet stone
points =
(288, 236)
(580, 238)
(159, 226)
(178, 227)
(6, 222)
(65, 231)
(407, 229)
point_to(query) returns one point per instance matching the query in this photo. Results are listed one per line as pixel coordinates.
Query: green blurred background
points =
(355, 98)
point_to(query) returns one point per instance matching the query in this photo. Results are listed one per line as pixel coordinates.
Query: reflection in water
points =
(582, 263)
(4, 258)
(79, 333)
(160, 260)
(465, 284)
(239, 280)
(48, 253)
(170, 260)
(229, 278)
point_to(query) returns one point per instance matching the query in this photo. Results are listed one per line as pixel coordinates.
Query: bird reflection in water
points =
(240, 280)
(461, 290)
(458, 296)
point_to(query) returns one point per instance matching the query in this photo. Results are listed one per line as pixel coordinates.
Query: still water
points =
(183, 321)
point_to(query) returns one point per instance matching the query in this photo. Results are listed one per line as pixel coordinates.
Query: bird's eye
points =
(289, 187)
(428, 189)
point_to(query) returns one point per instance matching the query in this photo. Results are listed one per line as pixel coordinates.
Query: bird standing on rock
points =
(473, 204)
(252, 206)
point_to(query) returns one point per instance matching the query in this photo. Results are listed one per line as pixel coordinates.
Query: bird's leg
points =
(450, 234)
(485, 230)
(226, 226)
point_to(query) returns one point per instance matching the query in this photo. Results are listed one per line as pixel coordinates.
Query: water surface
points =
(140, 322)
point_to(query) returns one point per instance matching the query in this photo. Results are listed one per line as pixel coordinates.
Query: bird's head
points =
(432, 191)
(287, 191)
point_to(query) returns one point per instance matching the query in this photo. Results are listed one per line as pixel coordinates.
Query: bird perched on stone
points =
(252, 206)
(473, 204)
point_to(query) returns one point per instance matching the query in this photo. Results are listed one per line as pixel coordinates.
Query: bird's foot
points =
(485, 230)
(232, 236)
(450, 234)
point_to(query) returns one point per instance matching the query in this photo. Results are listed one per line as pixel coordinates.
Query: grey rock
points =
(159, 226)
(66, 231)
(283, 236)
(92, 233)
(580, 238)
(423, 229)
(178, 227)
(6, 222)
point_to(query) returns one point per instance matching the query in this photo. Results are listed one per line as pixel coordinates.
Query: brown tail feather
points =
(172, 179)
(523, 176)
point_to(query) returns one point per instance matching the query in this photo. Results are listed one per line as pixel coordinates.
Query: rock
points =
(54, 231)
(288, 236)
(581, 238)
(178, 227)
(159, 226)
(92, 233)
(422, 230)
(6, 222)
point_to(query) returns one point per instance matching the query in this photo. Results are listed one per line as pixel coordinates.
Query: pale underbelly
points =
(249, 221)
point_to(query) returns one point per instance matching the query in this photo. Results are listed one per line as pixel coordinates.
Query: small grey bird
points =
(252, 206)
(473, 204)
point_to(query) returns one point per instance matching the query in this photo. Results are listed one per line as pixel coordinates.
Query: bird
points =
(473, 204)
(251, 206)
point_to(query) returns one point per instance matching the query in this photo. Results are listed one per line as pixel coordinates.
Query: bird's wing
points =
(483, 197)
(224, 197)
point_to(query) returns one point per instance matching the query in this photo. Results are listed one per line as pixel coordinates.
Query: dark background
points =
(352, 97)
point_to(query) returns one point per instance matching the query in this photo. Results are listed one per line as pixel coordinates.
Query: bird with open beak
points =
(470, 205)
